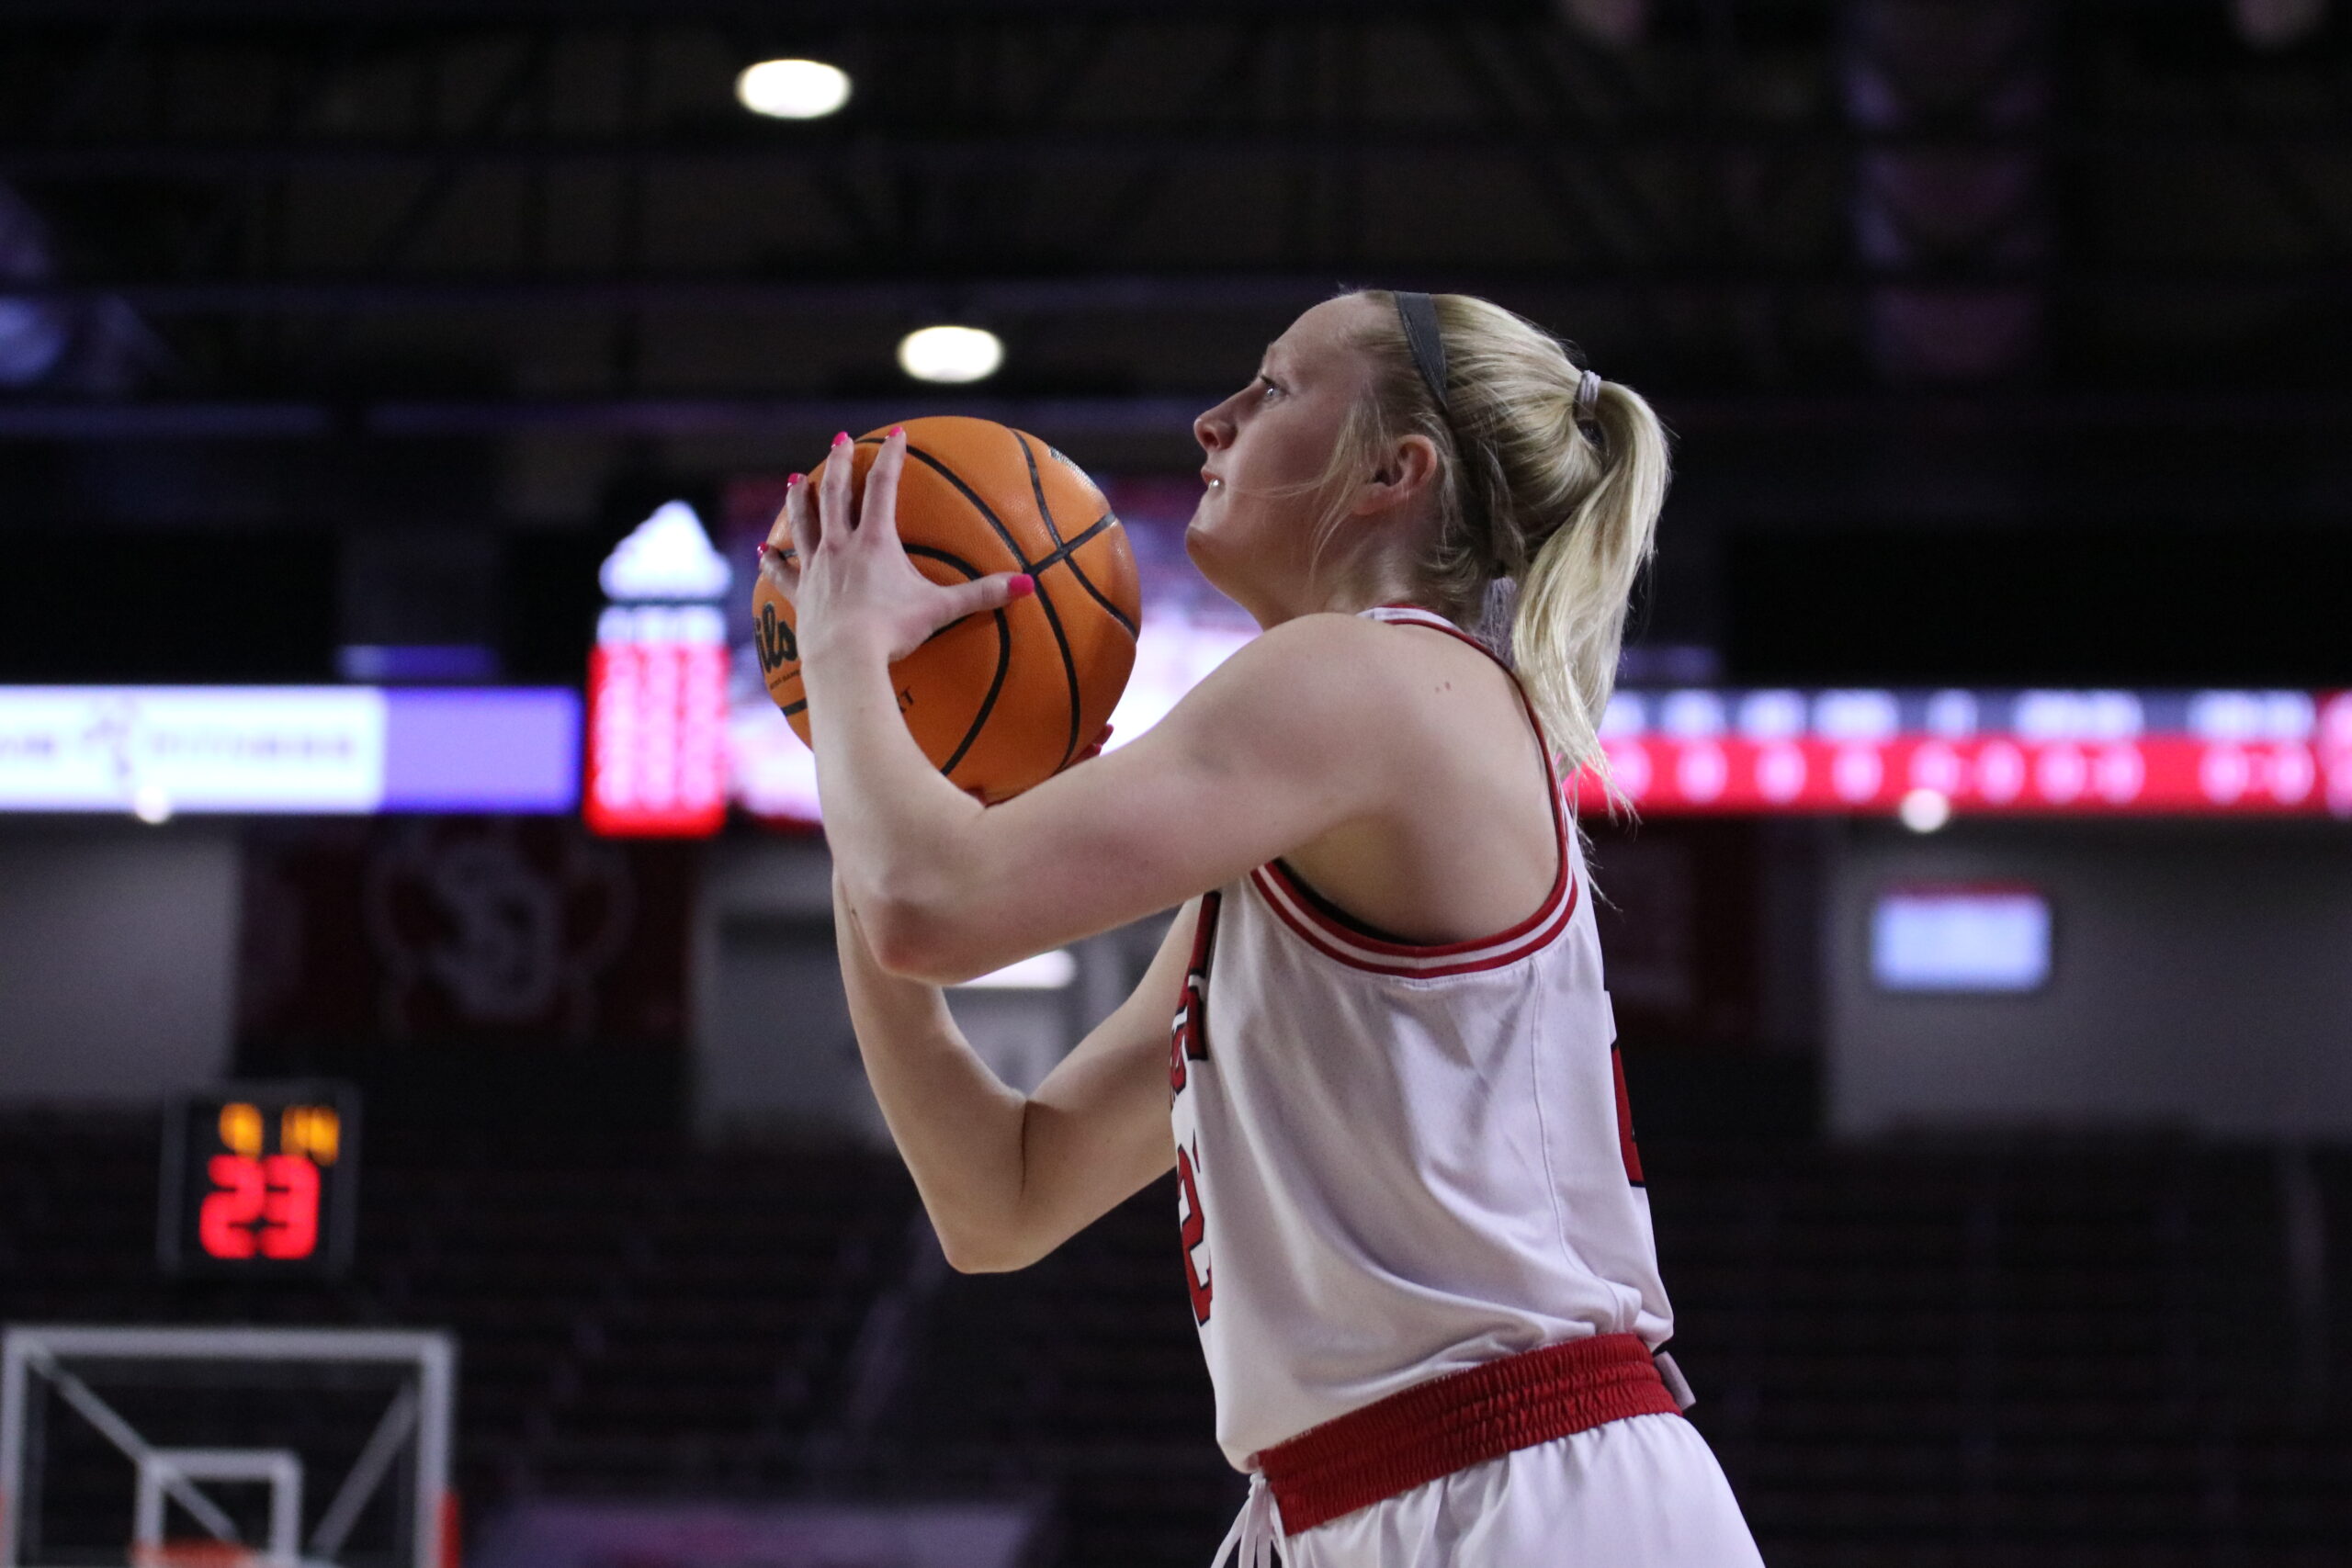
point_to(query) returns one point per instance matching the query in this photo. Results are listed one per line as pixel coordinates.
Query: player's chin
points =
(1209, 545)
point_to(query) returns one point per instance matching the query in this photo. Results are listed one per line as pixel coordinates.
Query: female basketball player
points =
(1410, 1209)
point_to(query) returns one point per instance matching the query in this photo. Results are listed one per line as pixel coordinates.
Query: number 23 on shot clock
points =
(260, 1180)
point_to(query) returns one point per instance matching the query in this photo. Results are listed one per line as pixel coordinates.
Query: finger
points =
(988, 593)
(834, 514)
(801, 532)
(782, 568)
(878, 509)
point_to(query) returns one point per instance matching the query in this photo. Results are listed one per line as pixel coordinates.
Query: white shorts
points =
(1645, 1492)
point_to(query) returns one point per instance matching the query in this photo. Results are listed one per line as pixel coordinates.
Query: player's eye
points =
(1266, 388)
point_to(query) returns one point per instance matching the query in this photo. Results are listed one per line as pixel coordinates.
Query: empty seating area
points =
(2018, 1353)
(2046, 1354)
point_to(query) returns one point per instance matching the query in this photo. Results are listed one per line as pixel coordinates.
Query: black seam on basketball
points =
(1087, 582)
(1003, 649)
(1032, 567)
(1045, 600)
(1063, 548)
(1062, 552)
(996, 688)
(1069, 669)
(801, 707)
(1037, 489)
(950, 475)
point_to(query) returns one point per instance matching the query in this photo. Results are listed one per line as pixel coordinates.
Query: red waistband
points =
(1434, 1429)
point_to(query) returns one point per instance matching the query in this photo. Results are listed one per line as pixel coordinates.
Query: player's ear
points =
(1404, 469)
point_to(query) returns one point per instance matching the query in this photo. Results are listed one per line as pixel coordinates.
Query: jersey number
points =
(1633, 1156)
(1195, 1223)
(1189, 1039)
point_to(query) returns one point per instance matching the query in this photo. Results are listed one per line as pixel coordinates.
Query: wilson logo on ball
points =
(777, 645)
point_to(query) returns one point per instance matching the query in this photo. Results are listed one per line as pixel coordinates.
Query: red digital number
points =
(269, 1206)
(233, 1205)
(290, 1212)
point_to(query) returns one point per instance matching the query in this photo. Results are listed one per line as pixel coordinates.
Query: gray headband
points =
(1418, 312)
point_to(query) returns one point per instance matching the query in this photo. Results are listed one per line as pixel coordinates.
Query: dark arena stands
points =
(2010, 1351)
(431, 1127)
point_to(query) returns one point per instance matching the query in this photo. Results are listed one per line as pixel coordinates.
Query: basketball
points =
(1003, 700)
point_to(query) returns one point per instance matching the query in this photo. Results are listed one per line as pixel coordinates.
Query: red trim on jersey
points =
(1335, 934)
(1336, 942)
(1451, 1423)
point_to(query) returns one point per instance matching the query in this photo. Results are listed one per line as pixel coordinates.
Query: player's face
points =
(1268, 448)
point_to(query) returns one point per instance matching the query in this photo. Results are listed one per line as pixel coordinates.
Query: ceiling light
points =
(950, 354)
(792, 89)
(1925, 811)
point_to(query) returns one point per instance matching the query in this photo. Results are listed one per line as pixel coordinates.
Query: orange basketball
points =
(999, 701)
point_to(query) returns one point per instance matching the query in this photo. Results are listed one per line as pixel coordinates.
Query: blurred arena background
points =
(391, 392)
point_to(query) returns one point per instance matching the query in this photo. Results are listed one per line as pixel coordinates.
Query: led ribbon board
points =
(160, 751)
(2104, 753)
(1693, 750)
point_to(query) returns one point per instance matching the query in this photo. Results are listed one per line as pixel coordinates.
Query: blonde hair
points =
(1559, 501)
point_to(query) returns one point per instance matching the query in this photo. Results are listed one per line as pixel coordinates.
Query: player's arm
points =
(1281, 743)
(1006, 1179)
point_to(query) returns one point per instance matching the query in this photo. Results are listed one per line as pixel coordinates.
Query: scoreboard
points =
(260, 1180)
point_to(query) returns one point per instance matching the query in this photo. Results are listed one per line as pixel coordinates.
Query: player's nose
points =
(1214, 429)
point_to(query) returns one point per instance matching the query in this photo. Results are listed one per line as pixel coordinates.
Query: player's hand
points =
(1094, 747)
(836, 556)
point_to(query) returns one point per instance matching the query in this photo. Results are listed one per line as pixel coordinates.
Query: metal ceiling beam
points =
(1001, 298)
(1111, 144)
(1860, 415)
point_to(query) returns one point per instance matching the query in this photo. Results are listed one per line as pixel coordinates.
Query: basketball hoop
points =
(195, 1552)
(236, 1448)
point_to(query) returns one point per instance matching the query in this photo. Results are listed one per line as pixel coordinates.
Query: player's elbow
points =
(974, 1254)
(937, 941)
(911, 937)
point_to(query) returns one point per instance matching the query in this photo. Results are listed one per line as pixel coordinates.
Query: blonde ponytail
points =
(1555, 497)
(1570, 621)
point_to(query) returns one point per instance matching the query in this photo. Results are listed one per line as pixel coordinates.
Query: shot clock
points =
(260, 1181)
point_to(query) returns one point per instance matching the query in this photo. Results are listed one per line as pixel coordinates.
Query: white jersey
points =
(1396, 1161)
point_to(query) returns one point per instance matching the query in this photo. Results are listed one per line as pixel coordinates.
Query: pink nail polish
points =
(1020, 585)
(794, 480)
(765, 547)
(898, 430)
(842, 439)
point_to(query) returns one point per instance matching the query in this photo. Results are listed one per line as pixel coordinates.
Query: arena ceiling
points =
(1952, 259)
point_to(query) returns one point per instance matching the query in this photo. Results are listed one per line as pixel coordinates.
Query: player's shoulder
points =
(1333, 685)
(1345, 644)
(1327, 662)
